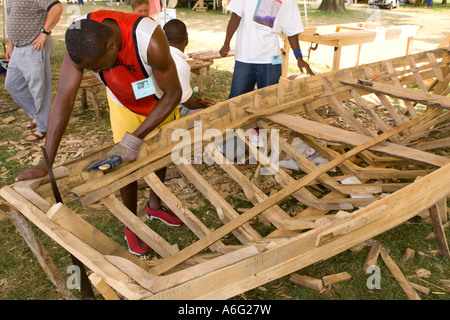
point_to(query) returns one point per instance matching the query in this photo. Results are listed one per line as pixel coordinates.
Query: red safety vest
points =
(129, 67)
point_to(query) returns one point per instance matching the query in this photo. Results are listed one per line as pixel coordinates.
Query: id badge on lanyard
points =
(143, 88)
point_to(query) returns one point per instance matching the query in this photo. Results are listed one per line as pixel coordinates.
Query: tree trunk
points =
(444, 2)
(334, 5)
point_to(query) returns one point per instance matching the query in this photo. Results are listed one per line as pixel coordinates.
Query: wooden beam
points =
(398, 275)
(91, 258)
(39, 251)
(155, 241)
(188, 252)
(425, 98)
(372, 257)
(439, 232)
(105, 290)
(74, 223)
(300, 252)
(194, 223)
(329, 133)
(245, 234)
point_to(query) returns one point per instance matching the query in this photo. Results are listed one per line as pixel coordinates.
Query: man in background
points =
(30, 49)
(257, 53)
(177, 35)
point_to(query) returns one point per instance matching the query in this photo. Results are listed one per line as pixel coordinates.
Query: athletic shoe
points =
(135, 245)
(163, 214)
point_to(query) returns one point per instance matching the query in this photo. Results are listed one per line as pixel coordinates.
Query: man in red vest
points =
(131, 55)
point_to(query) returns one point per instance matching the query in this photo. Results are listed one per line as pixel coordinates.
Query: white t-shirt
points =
(184, 72)
(262, 21)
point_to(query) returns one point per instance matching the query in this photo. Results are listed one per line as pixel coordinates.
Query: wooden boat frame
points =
(394, 149)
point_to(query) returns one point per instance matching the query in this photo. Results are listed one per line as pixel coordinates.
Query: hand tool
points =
(105, 164)
(85, 286)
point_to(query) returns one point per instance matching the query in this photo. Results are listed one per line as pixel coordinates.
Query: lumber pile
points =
(377, 170)
(201, 61)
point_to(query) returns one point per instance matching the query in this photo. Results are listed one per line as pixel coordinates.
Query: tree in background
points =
(334, 5)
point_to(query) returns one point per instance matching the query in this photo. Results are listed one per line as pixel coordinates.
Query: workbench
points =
(339, 36)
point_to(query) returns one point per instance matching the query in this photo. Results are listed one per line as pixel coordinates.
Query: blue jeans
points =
(246, 75)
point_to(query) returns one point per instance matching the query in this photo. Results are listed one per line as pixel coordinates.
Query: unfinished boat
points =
(365, 144)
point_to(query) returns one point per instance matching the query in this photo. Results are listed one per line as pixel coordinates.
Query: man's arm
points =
(197, 103)
(165, 72)
(293, 41)
(233, 24)
(9, 50)
(61, 110)
(53, 16)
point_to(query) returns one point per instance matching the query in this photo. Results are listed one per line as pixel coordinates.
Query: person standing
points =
(257, 53)
(30, 49)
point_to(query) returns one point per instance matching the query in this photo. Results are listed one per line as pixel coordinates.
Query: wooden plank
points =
(157, 284)
(428, 99)
(437, 71)
(412, 111)
(306, 281)
(39, 251)
(91, 258)
(347, 116)
(186, 253)
(105, 290)
(398, 275)
(300, 252)
(245, 234)
(439, 232)
(376, 119)
(79, 227)
(372, 257)
(275, 215)
(307, 166)
(194, 224)
(334, 278)
(416, 74)
(128, 218)
(329, 133)
(343, 229)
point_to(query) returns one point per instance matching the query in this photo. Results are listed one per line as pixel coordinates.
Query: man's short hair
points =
(137, 3)
(86, 39)
(175, 31)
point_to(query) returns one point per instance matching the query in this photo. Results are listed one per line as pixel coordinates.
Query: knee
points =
(9, 86)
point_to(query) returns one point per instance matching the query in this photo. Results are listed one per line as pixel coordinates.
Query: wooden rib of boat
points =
(384, 126)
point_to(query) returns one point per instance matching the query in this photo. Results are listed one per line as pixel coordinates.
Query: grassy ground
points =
(21, 277)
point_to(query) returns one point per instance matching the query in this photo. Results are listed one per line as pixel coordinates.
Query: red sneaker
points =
(163, 214)
(135, 245)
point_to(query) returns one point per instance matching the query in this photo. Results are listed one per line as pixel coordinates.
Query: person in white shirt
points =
(257, 52)
(177, 35)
